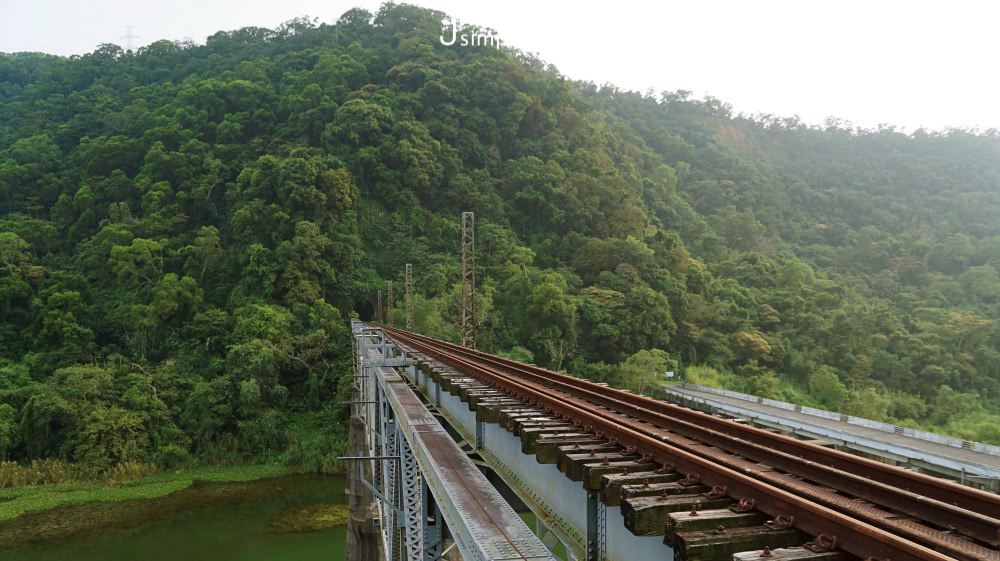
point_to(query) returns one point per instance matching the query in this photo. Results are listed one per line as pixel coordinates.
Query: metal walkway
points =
(427, 489)
(963, 464)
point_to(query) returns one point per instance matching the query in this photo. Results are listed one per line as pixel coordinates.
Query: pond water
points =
(207, 522)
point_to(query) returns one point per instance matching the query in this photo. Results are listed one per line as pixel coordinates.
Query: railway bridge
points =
(458, 454)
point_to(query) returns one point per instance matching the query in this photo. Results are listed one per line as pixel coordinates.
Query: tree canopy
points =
(185, 229)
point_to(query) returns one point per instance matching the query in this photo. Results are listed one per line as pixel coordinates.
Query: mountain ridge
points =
(202, 219)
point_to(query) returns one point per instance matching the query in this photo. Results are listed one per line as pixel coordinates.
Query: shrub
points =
(172, 456)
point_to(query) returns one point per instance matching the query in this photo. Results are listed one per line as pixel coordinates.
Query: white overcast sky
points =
(906, 63)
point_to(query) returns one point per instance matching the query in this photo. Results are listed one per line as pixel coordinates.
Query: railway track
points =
(863, 507)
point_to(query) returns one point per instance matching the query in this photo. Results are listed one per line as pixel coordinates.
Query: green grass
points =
(17, 501)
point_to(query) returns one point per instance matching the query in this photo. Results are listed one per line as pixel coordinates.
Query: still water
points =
(214, 522)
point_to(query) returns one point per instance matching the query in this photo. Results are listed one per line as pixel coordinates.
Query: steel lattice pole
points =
(389, 304)
(408, 282)
(468, 311)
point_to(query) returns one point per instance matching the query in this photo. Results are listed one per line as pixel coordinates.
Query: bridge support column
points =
(362, 536)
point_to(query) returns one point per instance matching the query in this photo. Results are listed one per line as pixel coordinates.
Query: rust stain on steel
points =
(905, 491)
(921, 486)
(863, 538)
(484, 510)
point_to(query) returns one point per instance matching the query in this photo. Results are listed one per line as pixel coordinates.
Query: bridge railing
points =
(853, 420)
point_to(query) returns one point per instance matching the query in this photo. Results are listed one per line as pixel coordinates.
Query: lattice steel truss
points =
(408, 285)
(406, 482)
(409, 515)
(468, 304)
(412, 487)
(389, 304)
(378, 307)
(390, 484)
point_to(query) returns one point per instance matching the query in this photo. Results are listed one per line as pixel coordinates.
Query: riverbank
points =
(291, 517)
(19, 501)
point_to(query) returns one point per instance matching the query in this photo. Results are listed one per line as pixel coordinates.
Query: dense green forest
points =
(186, 229)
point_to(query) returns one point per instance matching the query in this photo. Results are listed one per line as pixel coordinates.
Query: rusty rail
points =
(884, 485)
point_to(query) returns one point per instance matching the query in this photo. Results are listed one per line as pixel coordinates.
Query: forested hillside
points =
(184, 231)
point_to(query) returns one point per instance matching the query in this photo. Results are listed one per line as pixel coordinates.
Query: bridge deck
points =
(496, 530)
(921, 452)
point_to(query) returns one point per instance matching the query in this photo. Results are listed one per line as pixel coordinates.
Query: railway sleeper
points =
(505, 413)
(599, 447)
(790, 554)
(533, 427)
(722, 544)
(539, 422)
(474, 396)
(547, 446)
(530, 435)
(571, 462)
(514, 414)
(665, 489)
(461, 388)
(647, 516)
(614, 484)
(450, 383)
(469, 391)
(578, 465)
(593, 474)
(438, 370)
(445, 375)
(488, 410)
(713, 519)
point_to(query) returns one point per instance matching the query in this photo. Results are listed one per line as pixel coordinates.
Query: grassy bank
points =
(18, 501)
